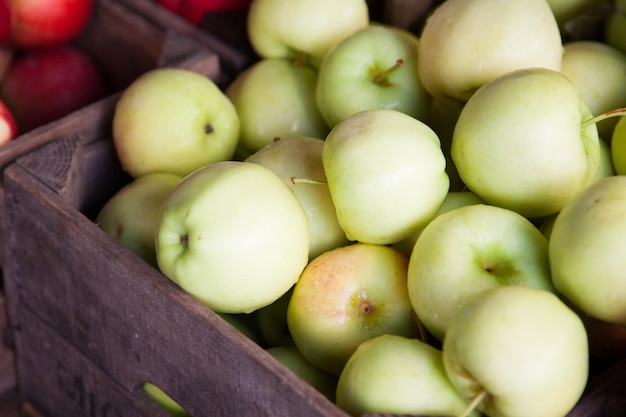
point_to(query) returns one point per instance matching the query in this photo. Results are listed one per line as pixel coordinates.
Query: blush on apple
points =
(45, 85)
(45, 23)
(5, 20)
(8, 125)
(194, 10)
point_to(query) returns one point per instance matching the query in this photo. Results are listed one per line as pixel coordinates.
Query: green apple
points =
(618, 146)
(271, 323)
(597, 70)
(466, 43)
(346, 296)
(303, 29)
(319, 379)
(615, 28)
(524, 142)
(233, 235)
(606, 168)
(373, 68)
(164, 400)
(298, 160)
(275, 97)
(586, 249)
(468, 250)
(392, 374)
(173, 120)
(454, 199)
(131, 215)
(519, 352)
(386, 174)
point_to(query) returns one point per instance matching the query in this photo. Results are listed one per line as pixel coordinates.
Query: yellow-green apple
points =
(615, 27)
(373, 68)
(454, 199)
(346, 296)
(386, 174)
(618, 146)
(39, 24)
(8, 124)
(519, 352)
(597, 70)
(303, 29)
(523, 142)
(233, 235)
(173, 120)
(290, 356)
(131, 215)
(298, 161)
(391, 374)
(275, 97)
(271, 323)
(585, 250)
(43, 85)
(466, 43)
(606, 168)
(468, 250)
(164, 400)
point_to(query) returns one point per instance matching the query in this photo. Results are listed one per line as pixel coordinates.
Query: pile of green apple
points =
(415, 223)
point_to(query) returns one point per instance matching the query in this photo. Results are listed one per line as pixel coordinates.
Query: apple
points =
(243, 323)
(164, 400)
(346, 296)
(297, 160)
(173, 120)
(375, 67)
(453, 199)
(526, 141)
(8, 125)
(41, 86)
(517, 351)
(468, 250)
(303, 29)
(466, 43)
(47, 23)
(615, 27)
(271, 323)
(5, 20)
(618, 146)
(319, 379)
(233, 235)
(586, 247)
(597, 70)
(131, 215)
(606, 168)
(194, 10)
(384, 161)
(392, 374)
(275, 97)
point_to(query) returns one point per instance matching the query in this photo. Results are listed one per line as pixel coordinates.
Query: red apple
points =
(194, 10)
(45, 23)
(5, 20)
(8, 125)
(45, 85)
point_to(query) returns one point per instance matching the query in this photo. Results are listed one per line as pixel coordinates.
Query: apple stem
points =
(381, 77)
(298, 180)
(611, 113)
(474, 403)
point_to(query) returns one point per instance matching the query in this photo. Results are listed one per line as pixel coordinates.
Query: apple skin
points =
(131, 215)
(586, 246)
(615, 30)
(465, 44)
(194, 10)
(518, 142)
(275, 97)
(354, 75)
(301, 157)
(606, 160)
(47, 23)
(271, 323)
(233, 235)
(391, 374)
(303, 29)
(5, 20)
(319, 379)
(468, 250)
(44, 85)
(346, 296)
(618, 146)
(522, 346)
(8, 125)
(384, 161)
(597, 69)
(173, 120)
